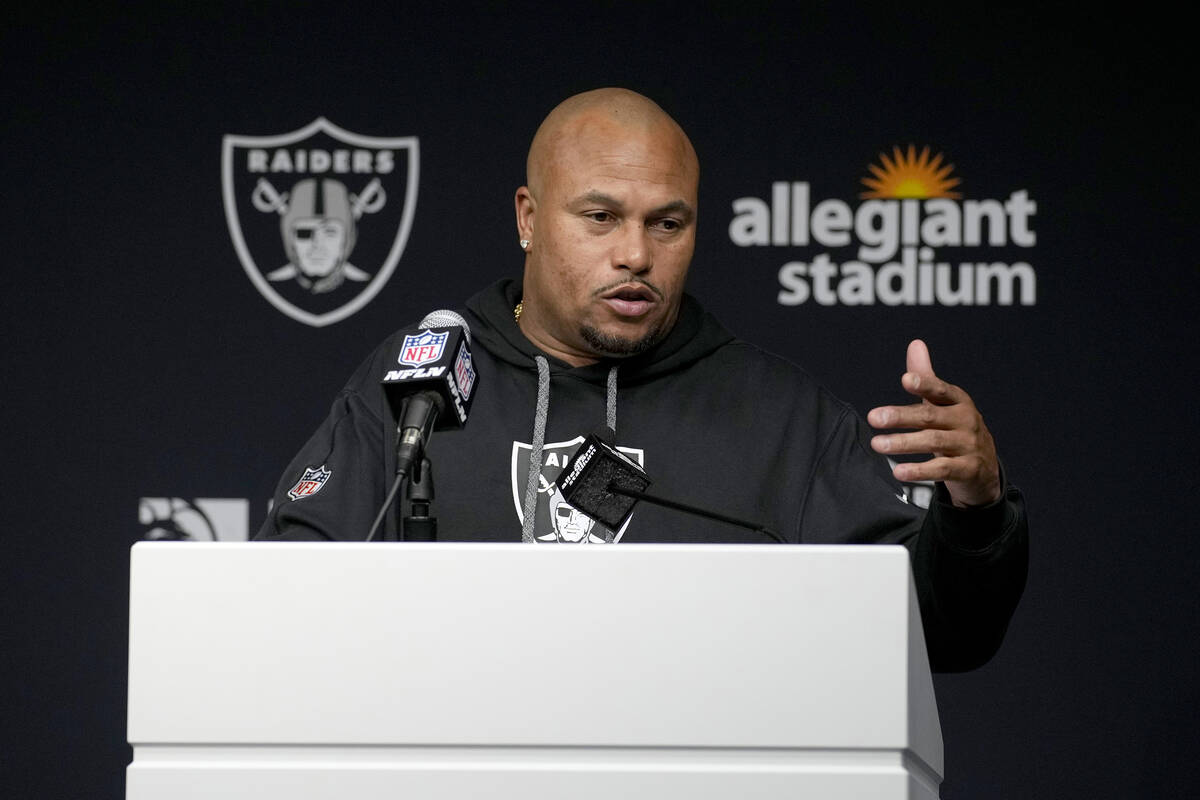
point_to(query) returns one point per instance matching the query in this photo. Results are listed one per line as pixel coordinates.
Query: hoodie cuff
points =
(973, 530)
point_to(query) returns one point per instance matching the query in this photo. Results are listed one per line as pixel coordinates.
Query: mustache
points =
(639, 281)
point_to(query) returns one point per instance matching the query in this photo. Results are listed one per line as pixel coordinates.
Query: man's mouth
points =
(630, 299)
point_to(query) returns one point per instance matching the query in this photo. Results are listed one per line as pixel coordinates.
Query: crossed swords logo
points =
(267, 199)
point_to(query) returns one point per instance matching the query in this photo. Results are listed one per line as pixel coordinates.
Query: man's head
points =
(609, 211)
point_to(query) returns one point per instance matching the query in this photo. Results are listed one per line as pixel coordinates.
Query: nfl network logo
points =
(426, 346)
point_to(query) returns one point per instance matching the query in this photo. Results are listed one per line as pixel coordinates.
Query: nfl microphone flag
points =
(435, 359)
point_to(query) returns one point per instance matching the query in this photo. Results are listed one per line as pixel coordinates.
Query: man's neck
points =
(550, 346)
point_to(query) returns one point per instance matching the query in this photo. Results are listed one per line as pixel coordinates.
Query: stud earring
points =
(525, 244)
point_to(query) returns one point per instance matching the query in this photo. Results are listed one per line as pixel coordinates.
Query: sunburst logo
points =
(909, 175)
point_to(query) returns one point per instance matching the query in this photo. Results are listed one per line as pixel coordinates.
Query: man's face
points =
(318, 243)
(613, 230)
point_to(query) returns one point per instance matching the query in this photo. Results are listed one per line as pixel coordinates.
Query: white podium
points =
(305, 671)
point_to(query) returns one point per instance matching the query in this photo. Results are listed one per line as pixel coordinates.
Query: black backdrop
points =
(141, 362)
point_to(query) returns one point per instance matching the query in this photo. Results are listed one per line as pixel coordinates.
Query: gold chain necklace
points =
(517, 309)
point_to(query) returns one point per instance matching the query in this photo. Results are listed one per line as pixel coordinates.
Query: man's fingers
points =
(918, 415)
(932, 388)
(938, 469)
(940, 442)
(921, 380)
(918, 360)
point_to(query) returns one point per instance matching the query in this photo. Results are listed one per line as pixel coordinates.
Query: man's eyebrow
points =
(596, 198)
(601, 199)
(677, 207)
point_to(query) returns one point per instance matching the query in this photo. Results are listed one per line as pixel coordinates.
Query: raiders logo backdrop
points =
(212, 215)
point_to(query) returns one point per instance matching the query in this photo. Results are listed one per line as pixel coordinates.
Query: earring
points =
(525, 244)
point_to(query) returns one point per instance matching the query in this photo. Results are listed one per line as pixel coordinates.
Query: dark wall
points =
(147, 380)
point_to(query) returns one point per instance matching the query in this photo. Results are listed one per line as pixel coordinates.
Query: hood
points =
(490, 315)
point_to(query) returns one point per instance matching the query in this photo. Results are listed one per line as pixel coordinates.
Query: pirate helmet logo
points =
(302, 198)
(557, 520)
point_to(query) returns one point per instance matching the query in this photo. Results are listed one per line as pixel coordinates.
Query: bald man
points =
(600, 324)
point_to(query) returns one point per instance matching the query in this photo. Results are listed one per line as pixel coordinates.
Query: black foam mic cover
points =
(586, 479)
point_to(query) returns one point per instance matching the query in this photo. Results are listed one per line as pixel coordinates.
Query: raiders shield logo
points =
(556, 520)
(320, 216)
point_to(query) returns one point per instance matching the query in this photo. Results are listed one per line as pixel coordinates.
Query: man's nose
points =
(633, 250)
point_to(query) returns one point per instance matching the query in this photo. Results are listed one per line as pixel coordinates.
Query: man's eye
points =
(669, 225)
(600, 216)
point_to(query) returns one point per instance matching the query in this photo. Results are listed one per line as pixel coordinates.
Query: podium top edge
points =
(889, 550)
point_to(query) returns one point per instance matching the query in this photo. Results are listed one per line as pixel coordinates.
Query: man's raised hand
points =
(946, 424)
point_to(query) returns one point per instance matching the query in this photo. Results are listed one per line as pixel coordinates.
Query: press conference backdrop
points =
(1014, 188)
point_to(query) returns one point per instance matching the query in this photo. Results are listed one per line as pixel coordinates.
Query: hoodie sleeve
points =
(333, 488)
(969, 564)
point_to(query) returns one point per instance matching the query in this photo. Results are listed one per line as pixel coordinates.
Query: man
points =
(607, 223)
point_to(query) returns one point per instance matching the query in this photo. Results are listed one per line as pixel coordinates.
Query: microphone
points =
(605, 484)
(430, 384)
(433, 372)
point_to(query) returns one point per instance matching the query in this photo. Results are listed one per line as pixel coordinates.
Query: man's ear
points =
(525, 207)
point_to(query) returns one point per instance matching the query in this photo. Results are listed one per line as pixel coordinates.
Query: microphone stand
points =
(419, 526)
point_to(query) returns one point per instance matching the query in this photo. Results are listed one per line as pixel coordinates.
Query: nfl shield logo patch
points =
(319, 217)
(310, 482)
(464, 372)
(426, 346)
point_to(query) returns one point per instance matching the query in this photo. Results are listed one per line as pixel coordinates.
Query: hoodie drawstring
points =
(529, 508)
(535, 455)
(612, 400)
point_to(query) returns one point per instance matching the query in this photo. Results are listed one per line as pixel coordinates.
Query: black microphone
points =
(430, 384)
(429, 387)
(605, 484)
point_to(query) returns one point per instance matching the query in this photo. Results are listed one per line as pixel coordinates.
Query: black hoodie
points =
(715, 421)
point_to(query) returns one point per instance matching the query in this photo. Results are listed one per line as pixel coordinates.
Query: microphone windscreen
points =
(586, 479)
(445, 318)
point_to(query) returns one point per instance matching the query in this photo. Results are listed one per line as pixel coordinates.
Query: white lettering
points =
(822, 270)
(1004, 275)
(1020, 208)
(947, 296)
(751, 222)
(779, 214)
(907, 282)
(880, 239)
(319, 160)
(831, 223)
(906, 271)
(857, 287)
(795, 287)
(281, 161)
(942, 226)
(974, 212)
(339, 161)
(799, 214)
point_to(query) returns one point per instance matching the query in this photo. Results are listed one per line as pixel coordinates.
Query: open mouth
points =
(630, 299)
